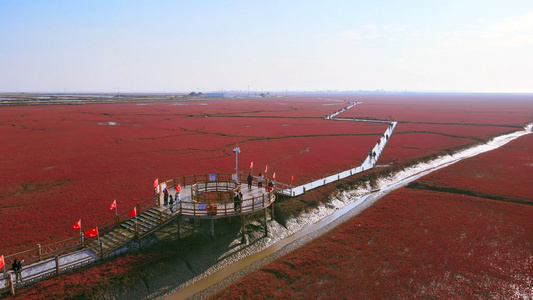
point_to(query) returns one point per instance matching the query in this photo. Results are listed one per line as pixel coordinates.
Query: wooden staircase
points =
(137, 227)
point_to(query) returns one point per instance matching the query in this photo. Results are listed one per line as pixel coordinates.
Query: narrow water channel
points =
(201, 288)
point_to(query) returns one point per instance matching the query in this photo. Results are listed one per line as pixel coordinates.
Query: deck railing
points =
(54, 251)
(226, 208)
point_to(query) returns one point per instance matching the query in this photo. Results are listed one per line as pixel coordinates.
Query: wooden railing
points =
(52, 254)
(40, 253)
(192, 179)
(226, 208)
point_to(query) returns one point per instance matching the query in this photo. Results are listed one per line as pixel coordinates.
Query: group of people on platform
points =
(169, 200)
(250, 179)
(237, 197)
(17, 269)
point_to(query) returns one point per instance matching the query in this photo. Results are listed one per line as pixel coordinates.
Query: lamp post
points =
(236, 150)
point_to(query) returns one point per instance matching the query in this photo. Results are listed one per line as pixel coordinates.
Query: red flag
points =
(77, 225)
(133, 212)
(274, 175)
(156, 182)
(113, 205)
(292, 178)
(91, 232)
(178, 188)
(1, 261)
(251, 164)
(266, 168)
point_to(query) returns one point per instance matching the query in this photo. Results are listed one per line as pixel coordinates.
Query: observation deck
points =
(211, 196)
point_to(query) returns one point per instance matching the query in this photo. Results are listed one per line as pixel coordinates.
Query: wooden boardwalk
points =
(195, 201)
(150, 220)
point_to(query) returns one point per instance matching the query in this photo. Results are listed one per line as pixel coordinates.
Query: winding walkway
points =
(368, 163)
(115, 241)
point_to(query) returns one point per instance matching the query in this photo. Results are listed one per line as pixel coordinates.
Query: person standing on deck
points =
(236, 202)
(171, 202)
(17, 269)
(250, 179)
(260, 181)
(165, 194)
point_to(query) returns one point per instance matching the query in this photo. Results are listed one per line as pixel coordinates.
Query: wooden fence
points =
(51, 258)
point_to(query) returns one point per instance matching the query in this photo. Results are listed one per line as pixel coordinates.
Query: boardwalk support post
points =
(272, 208)
(178, 223)
(266, 224)
(11, 285)
(39, 251)
(243, 220)
(138, 234)
(101, 250)
(212, 228)
(57, 264)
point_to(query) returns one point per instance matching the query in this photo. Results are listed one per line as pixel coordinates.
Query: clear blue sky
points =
(156, 46)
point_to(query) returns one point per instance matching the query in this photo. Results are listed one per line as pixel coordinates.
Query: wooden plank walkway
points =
(144, 223)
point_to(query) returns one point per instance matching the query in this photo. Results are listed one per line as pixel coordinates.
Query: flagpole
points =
(292, 179)
(266, 177)
(4, 261)
(97, 235)
(252, 167)
(137, 226)
(116, 209)
(81, 236)
(236, 150)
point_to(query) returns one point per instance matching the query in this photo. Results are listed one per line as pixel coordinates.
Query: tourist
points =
(17, 269)
(250, 179)
(171, 202)
(236, 202)
(270, 186)
(260, 181)
(165, 193)
(20, 269)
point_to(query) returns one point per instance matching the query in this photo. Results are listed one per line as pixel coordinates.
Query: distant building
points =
(216, 95)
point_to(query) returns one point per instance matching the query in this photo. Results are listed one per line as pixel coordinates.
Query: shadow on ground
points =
(178, 260)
